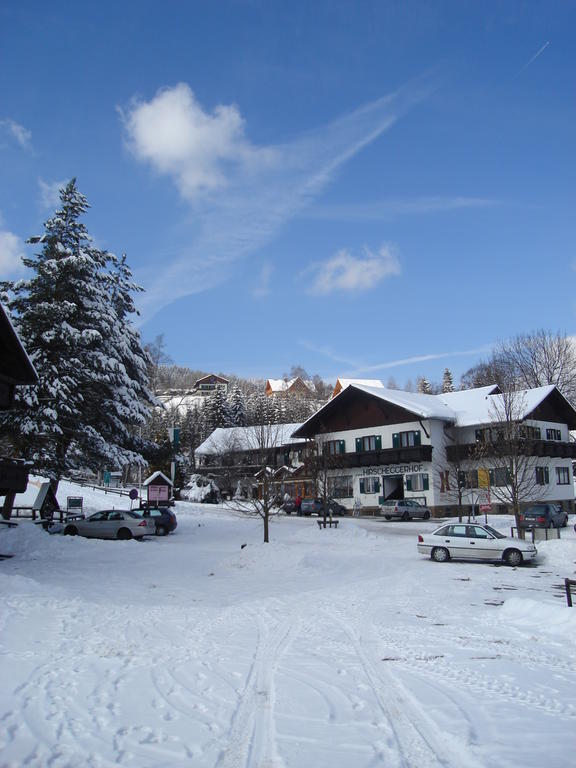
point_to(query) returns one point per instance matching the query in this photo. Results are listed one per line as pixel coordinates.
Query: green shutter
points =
(377, 486)
(378, 442)
(342, 446)
(461, 479)
(491, 475)
(362, 485)
(417, 440)
(408, 482)
(425, 483)
(546, 476)
(396, 440)
(358, 444)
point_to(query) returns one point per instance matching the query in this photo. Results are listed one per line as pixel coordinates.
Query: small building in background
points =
(295, 387)
(208, 384)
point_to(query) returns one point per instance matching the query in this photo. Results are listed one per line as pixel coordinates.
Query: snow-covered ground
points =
(323, 649)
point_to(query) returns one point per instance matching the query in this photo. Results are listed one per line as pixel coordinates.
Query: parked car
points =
(111, 524)
(164, 519)
(315, 506)
(404, 509)
(289, 506)
(544, 516)
(474, 542)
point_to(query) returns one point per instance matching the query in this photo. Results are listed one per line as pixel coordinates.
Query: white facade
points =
(407, 449)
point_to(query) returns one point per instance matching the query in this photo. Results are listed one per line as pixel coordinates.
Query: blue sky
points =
(366, 189)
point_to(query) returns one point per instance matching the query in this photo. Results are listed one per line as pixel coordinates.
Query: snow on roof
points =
(156, 476)
(486, 409)
(282, 385)
(343, 383)
(226, 439)
(424, 406)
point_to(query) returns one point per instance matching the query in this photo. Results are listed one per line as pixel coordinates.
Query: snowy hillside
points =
(324, 649)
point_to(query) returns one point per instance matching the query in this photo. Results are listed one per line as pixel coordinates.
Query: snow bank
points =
(537, 617)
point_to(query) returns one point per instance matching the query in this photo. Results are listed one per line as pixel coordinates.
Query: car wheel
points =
(513, 557)
(565, 523)
(161, 530)
(440, 554)
(124, 533)
(70, 530)
(387, 517)
(426, 515)
(405, 516)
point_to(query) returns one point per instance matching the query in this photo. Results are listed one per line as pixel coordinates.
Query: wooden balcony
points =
(415, 454)
(545, 448)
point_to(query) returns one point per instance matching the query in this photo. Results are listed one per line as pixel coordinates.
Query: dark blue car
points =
(164, 518)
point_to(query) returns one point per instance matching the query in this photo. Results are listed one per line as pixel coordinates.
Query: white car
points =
(470, 541)
(111, 524)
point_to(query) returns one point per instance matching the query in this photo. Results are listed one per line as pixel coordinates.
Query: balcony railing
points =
(416, 453)
(544, 448)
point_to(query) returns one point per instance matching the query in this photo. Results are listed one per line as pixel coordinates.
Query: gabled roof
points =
(156, 476)
(283, 385)
(343, 383)
(237, 439)
(15, 365)
(212, 378)
(464, 408)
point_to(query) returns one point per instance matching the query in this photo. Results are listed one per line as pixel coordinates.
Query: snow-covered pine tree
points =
(237, 407)
(423, 386)
(216, 412)
(447, 381)
(72, 316)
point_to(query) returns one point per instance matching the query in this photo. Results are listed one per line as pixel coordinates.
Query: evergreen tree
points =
(423, 386)
(73, 317)
(216, 412)
(447, 381)
(237, 407)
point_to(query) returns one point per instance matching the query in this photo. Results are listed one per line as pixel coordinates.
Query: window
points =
(368, 443)
(476, 532)
(530, 433)
(542, 476)
(468, 479)
(499, 477)
(455, 530)
(553, 434)
(369, 485)
(341, 487)
(482, 435)
(562, 476)
(417, 482)
(406, 439)
(334, 447)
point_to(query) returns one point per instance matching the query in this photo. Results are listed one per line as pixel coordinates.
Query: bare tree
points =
(324, 464)
(542, 358)
(506, 450)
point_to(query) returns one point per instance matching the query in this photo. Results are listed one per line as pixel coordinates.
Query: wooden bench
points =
(328, 523)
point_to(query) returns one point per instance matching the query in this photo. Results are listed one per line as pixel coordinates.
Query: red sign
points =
(485, 507)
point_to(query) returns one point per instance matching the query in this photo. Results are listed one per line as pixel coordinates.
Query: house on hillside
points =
(16, 369)
(392, 444)
(208, 384)
(234, 456)
(343, 383)
(295, 387)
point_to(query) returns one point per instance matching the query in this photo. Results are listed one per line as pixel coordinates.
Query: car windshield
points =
(494, 532)
(536, 511)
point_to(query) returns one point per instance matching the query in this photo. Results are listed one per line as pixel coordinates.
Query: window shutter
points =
(378, 442)
(408, 482)
(461, 479)
(491, 476)
(425, 483)
(396, 440)
(358, 444)
(546, 476)
(377, 486)
(417, 440)
(342, 446)
(362, 485)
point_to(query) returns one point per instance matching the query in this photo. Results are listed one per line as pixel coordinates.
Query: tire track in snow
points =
(415, 733)
(252, 737)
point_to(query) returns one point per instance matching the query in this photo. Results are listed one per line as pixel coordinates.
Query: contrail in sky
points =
(533, 59)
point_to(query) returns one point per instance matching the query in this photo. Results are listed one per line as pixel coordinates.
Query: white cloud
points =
(22, 135)
(240, 195)
(11, 253)
(50, 192)
(177, 137)
(353, 274)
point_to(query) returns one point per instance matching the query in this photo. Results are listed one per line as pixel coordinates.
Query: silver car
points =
(111, 524)
(474, 542)
(403, 509)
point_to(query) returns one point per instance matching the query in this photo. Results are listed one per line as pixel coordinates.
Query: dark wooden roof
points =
(15, 365)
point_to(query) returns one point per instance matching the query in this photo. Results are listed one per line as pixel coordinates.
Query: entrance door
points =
(393, 486)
